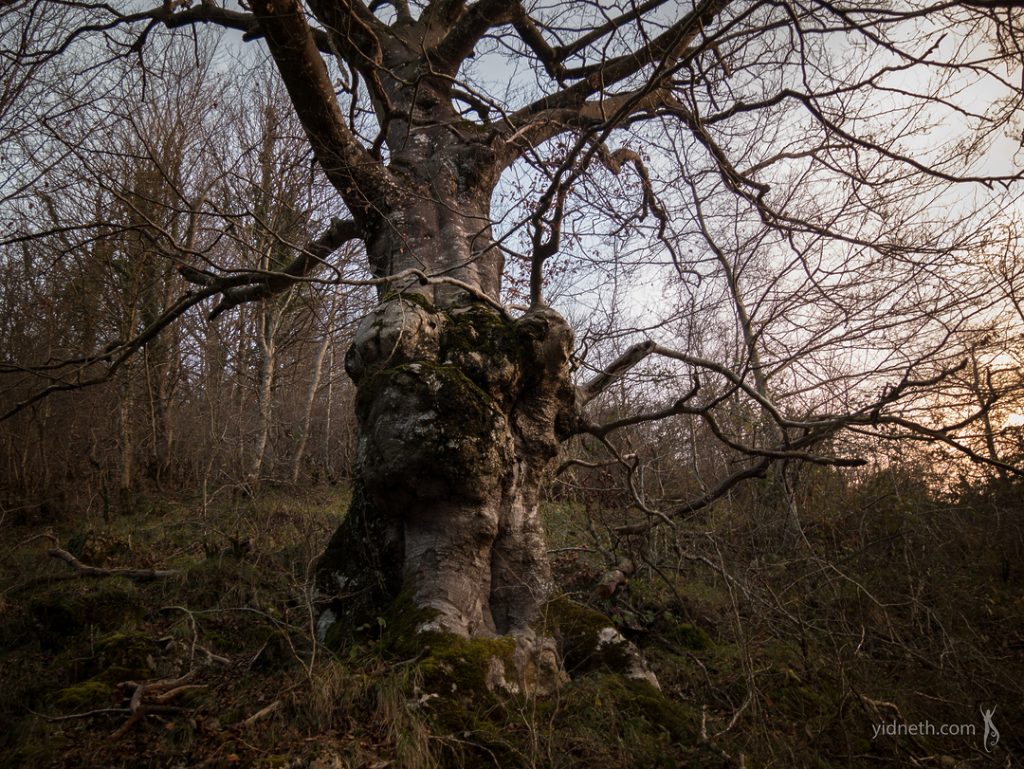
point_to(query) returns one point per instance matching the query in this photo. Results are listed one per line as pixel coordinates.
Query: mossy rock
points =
(802, 698)
(68, 608)
(577, 629)
(98, 548)
(447, 690)
(600, 720)
(460, 687)
(606, 695)
(124, 657)
(115, 658)
(606, 720)
(85, 695)
(471, 699)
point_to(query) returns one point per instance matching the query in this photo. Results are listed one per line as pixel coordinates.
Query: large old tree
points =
(721, 138)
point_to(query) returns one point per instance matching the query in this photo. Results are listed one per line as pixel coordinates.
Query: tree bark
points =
(266, 337)
(127, 442)
(460, 411)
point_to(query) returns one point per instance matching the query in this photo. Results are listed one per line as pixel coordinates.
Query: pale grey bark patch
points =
(635, 666)
(395, 332)
(324, 622)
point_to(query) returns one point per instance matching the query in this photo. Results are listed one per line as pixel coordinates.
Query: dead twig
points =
(164, 690)
(86, 714)
(262, 713)
(161, 699)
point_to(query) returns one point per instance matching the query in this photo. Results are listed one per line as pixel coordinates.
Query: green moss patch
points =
(460, 666)
(409, 296)
(605, 720)
(455, 434)
(677, 635)
(487, 348)
(600, 720)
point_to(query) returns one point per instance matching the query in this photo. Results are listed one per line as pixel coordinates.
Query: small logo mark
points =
(991, 737)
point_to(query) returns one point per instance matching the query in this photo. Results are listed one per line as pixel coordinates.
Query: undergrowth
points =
(884, 614)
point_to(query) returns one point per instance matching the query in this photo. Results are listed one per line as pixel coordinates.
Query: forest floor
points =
(876, 640)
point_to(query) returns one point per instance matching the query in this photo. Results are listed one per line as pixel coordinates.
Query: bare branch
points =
(619, 367)
(664, 49)
(463, 36)
(756, 470)
(363, 182)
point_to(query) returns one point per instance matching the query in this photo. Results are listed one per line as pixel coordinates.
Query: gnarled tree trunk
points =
(460, 409)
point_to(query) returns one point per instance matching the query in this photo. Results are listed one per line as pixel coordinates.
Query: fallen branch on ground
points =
(85, 570)
(162, 692)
